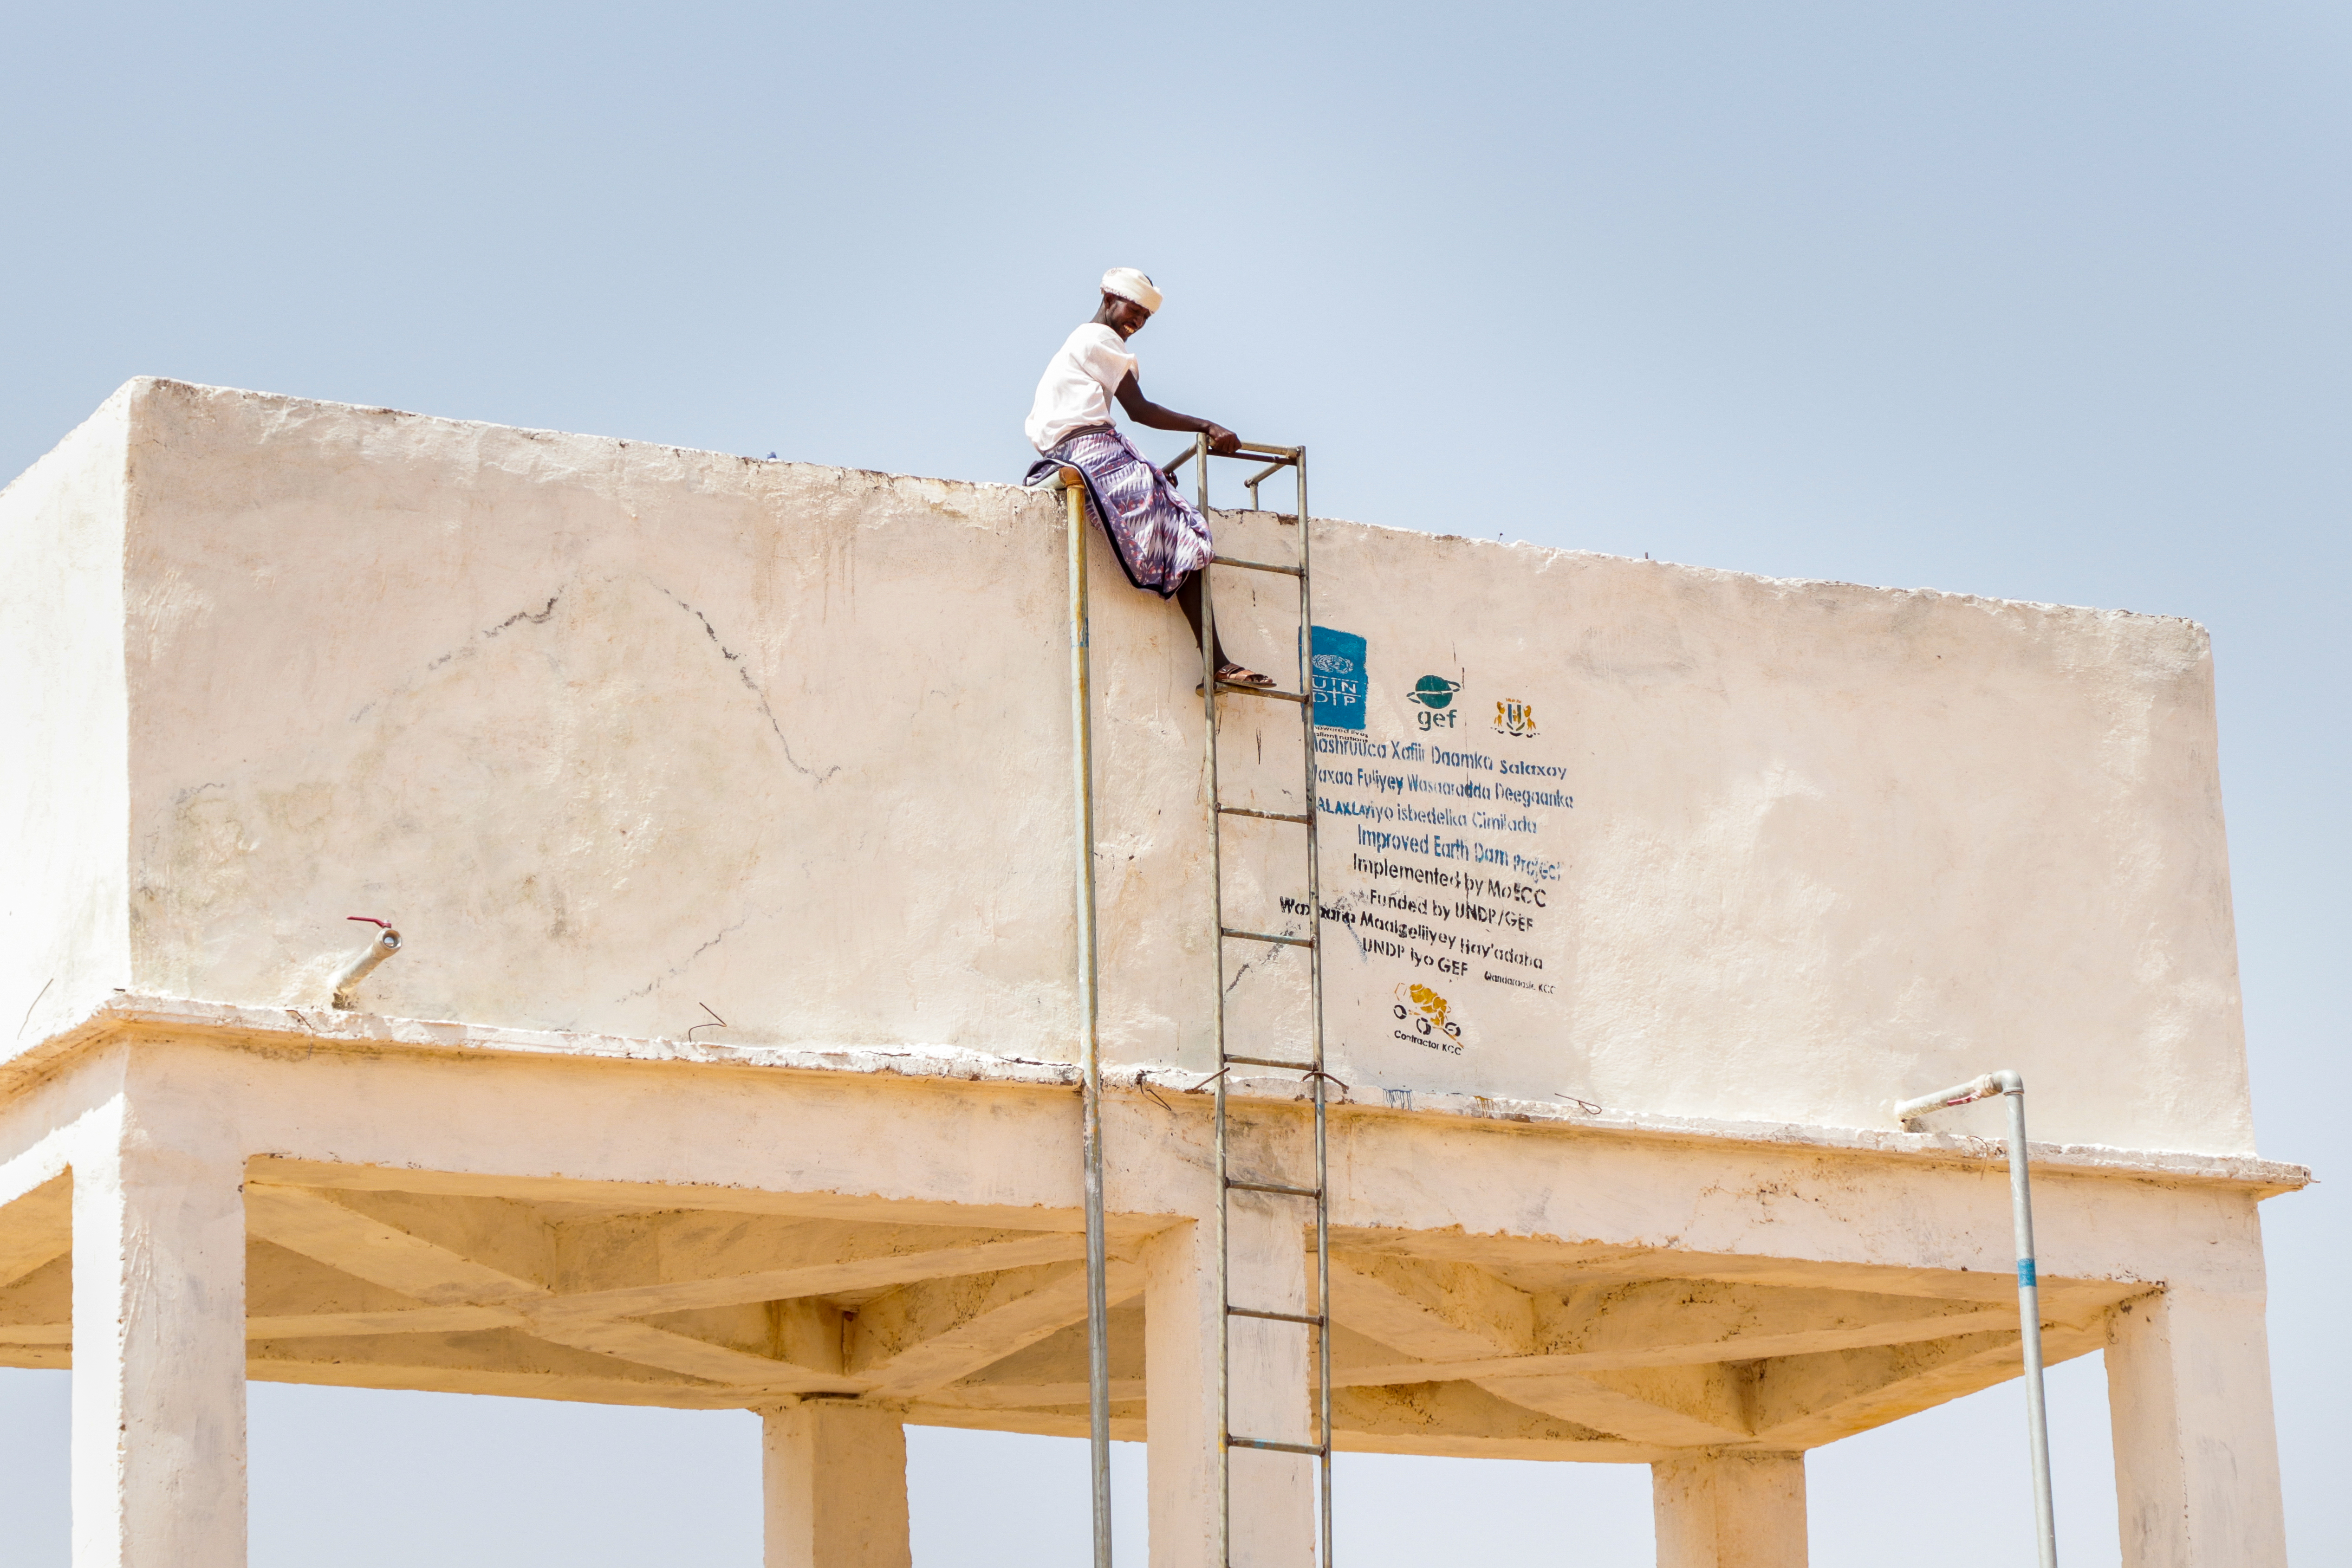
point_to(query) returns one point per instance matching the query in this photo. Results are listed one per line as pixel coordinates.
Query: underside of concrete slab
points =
(782, 1238)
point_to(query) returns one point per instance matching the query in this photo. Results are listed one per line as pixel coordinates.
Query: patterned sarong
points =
(1159, 537)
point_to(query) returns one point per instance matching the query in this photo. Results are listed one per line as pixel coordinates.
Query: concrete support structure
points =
(2189, 1390)
(834, 1482)
(1622, 982)
(158, 1263)
(493, 1212)
(1273, 1494)
(1730, 1511)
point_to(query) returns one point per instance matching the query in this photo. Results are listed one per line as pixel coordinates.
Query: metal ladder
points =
(1317, 1322)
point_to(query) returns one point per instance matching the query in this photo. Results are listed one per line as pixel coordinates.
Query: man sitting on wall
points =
(1161, 538)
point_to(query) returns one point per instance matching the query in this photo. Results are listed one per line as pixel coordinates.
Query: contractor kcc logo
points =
(1427, 1014)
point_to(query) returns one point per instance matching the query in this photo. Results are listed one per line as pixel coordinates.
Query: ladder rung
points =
(1257, 565)
(1234, 1442)
(1297, 817)
(1270, 1061)
(1314, 1320)
(1274, 1186)
(1280, 696)
(1265, 936)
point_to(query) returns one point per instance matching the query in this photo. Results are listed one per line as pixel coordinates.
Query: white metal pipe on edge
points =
(2012, 1088)
(1223, 1369)
(1314, 1002)
(1082, 750)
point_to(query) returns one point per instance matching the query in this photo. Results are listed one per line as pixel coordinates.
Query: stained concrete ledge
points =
(132, 1016)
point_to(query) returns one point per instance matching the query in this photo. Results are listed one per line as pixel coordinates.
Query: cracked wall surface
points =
(633, 740)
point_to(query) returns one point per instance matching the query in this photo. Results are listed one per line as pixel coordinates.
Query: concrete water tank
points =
(722, 807)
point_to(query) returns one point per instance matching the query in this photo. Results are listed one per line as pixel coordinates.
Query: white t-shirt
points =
(1078, 386)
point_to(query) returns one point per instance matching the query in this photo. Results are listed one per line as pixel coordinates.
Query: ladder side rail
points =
(1317, 1322)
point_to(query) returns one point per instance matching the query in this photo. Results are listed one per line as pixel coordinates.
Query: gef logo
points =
(1435, 695)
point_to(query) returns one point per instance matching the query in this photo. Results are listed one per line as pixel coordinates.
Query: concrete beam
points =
(39, 1308)
(1126, 1423)
(1559, 1268)
(924, 1336)
(1664, 1406)
(339, 1230)
(1804, 1401)
(504, 1362)
(728, 1191)
(627, 1339)
(1659, 1322)
(1053, 1372)
(35, 1229)
(995, 1395)
(1438, 1312)
(1460, 1420)
(721, 1258)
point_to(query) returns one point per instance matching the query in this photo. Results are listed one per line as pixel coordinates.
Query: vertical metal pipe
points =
(2012, 1088)
(2029, 1315)
(1223, 1369)
(1314, 1022)
(1082, 750)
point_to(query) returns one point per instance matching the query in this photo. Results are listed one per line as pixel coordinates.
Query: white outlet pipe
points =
(362, 965)
(2012, 1088)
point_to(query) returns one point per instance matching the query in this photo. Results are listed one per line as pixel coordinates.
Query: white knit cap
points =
(1130, 284)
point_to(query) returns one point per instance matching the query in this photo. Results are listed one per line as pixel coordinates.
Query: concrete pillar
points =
(1730, 1511)
(835, 1476)
(2197, 1469)
(158, 1446)
(1273, 1494)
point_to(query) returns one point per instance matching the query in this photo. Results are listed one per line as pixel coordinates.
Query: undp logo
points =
(1337, 659)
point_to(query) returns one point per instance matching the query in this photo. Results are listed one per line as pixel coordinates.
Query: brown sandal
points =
(1231, 674)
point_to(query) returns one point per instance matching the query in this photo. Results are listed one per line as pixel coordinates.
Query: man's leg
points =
(1188, 600)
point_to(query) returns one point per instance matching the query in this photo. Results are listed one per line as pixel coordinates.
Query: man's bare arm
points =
(1144, 411)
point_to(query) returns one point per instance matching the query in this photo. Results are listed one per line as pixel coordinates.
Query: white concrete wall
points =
(617, 732)
(64, 935)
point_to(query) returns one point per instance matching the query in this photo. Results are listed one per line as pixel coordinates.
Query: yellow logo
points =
(1427, 1010)
(1513, 717)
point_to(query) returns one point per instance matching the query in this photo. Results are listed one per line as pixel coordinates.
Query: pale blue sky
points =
(2045, 301)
